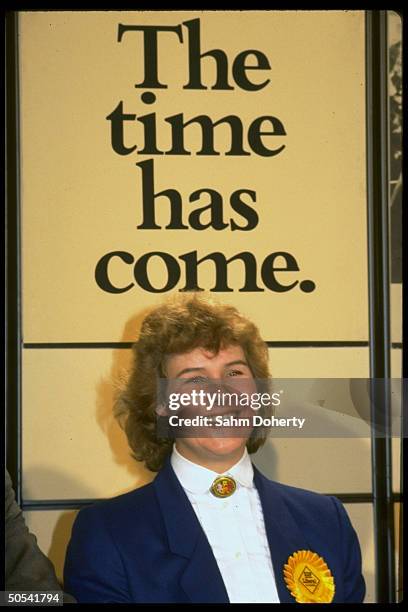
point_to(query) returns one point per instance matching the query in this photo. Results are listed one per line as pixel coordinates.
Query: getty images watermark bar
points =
(196, 406)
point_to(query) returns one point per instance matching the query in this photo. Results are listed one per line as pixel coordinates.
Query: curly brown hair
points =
(182, 323)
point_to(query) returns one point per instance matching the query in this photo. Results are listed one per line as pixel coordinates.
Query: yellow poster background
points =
(81, 200)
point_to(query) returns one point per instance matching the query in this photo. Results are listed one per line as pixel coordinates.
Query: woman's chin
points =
(222, 445)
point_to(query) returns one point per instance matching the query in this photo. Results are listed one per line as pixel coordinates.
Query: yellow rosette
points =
(308, 578)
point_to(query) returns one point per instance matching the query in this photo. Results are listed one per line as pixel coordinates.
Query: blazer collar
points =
(187, 538)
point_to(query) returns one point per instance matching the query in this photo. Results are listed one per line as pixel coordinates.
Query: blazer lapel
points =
(201, 579)
(284, 536)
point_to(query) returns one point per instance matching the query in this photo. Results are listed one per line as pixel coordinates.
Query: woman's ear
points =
(162, 409)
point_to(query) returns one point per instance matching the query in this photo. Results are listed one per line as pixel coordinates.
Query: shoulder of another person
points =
(13, 512)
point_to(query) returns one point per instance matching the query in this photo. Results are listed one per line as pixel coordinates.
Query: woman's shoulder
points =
(120, 507)
(301, 500)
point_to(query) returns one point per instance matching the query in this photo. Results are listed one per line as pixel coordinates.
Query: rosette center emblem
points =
(308, 578)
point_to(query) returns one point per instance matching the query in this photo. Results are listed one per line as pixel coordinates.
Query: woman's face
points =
(229, 370)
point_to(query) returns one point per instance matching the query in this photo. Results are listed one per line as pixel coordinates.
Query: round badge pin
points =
(223, 486)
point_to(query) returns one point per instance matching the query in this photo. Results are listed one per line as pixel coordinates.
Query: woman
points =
(210, 528)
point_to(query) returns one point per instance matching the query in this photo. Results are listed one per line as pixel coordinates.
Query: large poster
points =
(169, 151)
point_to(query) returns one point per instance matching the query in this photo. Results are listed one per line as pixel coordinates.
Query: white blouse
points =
(234, 527)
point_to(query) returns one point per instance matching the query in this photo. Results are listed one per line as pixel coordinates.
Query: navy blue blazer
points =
(147, 546)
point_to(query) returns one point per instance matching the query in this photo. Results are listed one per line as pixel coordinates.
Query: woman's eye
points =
(195, 379)
(235, 373)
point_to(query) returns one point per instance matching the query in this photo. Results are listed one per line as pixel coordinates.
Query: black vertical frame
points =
(379, 300)
(12, 259)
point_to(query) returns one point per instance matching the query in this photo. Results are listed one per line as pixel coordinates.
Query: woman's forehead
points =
(200, 357)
